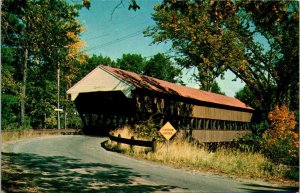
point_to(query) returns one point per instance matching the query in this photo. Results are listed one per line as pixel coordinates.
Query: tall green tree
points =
(39, 33)
(9, 89)
(158, 66)
(161, 67)
(193, 35)
(91, 63)
(248, 97)
(131, 62)
(256, 40)
(245, 95)
(215, 88)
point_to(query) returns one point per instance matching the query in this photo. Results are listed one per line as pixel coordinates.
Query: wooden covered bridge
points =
(107, 98)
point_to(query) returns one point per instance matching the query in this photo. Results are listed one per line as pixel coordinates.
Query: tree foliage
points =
(158, 66)
(131, 62)
(215, 88)
(256, 40)
(193, 35)
(92, 62)
(10, 88)
(39, 37)
(245, 95)
(282, 138)
(161, 67)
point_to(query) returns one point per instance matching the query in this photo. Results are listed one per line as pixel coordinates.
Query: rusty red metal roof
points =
(154, 84)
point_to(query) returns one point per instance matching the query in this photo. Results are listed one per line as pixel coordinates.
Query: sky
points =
(114, 32)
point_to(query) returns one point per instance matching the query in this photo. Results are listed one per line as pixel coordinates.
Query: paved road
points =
(80, 164)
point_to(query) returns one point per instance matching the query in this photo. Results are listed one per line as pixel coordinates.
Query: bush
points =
(250, 143)
(16, 125)
(281, 140)
(148, 130)
(51, 122)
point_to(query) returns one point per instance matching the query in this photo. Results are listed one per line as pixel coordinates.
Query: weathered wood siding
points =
(214, 124)
(157, 104)
(218, 135)
(220, 114)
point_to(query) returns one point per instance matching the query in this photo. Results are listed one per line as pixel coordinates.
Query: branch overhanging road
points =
(79, 164)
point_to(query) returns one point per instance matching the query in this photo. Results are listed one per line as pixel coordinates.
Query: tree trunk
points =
(23, 94)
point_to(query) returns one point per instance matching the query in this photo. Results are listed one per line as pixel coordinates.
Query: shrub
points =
(16, 125)
(148, 129)
(51, 122)
(280, 140)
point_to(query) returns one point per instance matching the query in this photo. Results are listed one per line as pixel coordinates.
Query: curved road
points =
(80, 164)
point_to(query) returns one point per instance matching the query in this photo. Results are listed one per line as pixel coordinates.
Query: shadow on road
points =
(265, 188)
(24, 172)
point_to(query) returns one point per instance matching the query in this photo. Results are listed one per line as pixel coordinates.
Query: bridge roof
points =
(161, 86)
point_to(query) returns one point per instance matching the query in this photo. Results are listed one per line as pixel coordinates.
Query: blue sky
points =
(122, 32)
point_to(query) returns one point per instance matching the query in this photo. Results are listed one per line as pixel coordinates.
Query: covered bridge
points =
(107, 98)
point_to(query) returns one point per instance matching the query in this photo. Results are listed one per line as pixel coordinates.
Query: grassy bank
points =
(13, 135)
(179, 153)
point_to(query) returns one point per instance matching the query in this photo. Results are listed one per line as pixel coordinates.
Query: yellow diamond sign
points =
(167, 131)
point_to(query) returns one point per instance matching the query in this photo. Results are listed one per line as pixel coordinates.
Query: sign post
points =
(168, 131)
(58, 110)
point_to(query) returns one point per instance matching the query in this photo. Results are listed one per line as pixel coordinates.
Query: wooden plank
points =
(218, 135)
(54, 130)
(220, 114)
(179, 108)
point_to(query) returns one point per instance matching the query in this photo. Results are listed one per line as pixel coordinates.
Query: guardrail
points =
(57, 130)
(133, 142)
(44, 131)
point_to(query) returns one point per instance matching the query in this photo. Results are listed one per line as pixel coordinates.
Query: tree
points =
(256, 40)
(13, 30)
(43, 35)
(245, 95)
(94, 60)
(131, 62)
(192, 35)
(270, 70)
(132, 5)
(215, 88)
(10, 89)
(91, 63)
(159, 66)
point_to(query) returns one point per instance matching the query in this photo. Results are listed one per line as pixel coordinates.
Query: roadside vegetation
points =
(270, 157)
(14, 135)
(183, 154)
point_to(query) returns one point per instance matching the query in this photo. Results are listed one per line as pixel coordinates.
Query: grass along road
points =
(79, 164)
(231, 162)
(14, 135)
